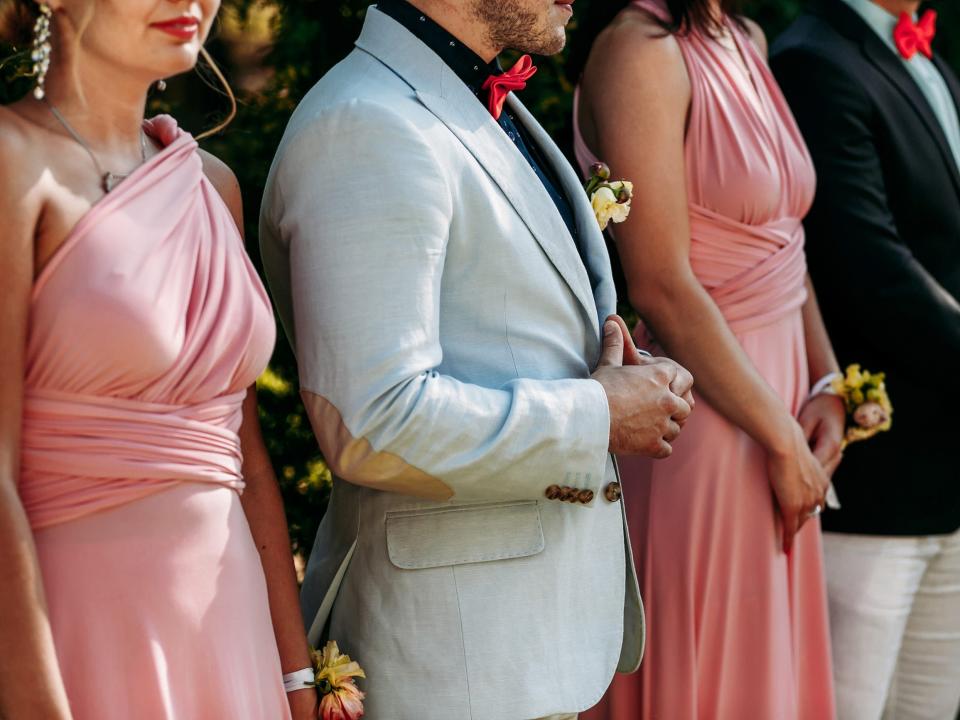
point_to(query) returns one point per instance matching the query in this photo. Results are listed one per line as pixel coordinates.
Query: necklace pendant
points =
(110, 181)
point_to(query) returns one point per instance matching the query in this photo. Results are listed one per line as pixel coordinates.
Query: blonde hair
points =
(224, 89)
(17, 18)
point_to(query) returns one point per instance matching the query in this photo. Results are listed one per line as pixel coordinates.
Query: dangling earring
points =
(40, 52)
(161, 85)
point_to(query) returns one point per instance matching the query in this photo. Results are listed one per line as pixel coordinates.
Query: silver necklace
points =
(109, 180)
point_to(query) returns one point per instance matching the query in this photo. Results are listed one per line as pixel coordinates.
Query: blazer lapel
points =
(592, 244)
(891, 66)
(445, 95)
(846, 20)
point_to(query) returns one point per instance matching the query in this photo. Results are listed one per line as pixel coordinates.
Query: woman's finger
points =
(791, 524)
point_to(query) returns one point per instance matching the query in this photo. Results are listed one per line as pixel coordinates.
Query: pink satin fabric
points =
(750, 181)
(146, 328)
(737, 629)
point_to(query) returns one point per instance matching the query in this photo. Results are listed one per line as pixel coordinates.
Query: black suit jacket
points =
(883, 245)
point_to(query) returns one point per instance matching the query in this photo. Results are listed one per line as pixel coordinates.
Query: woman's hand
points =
(798, 480)
(823, 420)
(303, 704)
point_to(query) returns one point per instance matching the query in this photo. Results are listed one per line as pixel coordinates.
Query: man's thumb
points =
(612, 354)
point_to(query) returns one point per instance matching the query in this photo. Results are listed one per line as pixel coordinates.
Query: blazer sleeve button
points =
(612, 492)
(585, 497)
(552, 492)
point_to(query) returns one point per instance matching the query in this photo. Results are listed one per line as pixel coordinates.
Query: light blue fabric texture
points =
(445, 329)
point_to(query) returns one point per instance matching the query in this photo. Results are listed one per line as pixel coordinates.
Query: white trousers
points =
(895, 625)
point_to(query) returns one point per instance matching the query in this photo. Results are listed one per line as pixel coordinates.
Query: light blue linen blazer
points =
(445, 328)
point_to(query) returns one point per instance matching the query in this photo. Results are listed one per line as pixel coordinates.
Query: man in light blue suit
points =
(444, 283)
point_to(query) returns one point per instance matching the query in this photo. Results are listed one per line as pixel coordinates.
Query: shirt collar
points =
(882, 22)
(465, 63)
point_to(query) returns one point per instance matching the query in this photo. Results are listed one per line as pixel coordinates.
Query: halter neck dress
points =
(737, 629)
(146, 327)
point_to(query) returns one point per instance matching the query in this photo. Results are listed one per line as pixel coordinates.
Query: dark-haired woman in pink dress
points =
(677, 97)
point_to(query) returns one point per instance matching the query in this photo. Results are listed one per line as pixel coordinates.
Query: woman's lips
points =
(182, 28)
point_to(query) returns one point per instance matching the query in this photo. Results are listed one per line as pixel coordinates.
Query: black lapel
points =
(891, 66)
(846, 20)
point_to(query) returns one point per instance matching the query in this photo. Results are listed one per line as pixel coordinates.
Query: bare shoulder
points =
(18, 147)
(635, 62)
(22, 170)
(636, 38)
(225, 181)
(756, 34)
(635, 48)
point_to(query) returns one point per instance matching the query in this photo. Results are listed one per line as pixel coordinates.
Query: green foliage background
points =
(308, 37)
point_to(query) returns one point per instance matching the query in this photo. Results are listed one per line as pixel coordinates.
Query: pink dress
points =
(146, 328)
(737, 629)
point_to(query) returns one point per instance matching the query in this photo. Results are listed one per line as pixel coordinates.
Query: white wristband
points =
(825, 385)
(299, 680)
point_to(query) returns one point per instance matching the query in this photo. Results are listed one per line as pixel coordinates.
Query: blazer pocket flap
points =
(436, 537)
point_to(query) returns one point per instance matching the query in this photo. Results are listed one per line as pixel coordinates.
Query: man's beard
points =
(513, 28)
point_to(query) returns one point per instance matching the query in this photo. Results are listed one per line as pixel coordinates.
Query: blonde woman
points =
(137, 581)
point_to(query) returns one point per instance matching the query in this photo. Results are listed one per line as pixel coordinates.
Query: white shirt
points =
(923, 72)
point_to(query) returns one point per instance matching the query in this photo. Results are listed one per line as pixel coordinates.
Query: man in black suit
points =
(879, 112)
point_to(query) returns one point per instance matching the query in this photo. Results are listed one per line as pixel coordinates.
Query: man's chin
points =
(550, 43)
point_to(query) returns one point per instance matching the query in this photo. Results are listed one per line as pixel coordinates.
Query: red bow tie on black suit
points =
(911, 37)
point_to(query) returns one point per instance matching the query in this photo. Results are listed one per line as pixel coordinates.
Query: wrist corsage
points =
(610, 199)
(332, 675)
(864, 395)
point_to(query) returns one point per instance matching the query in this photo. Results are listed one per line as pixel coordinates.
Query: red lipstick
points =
(184, 27)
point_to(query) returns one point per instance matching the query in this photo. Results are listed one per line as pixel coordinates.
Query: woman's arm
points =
(263, 505)
(823, 417)
(821, 360)
(30, 681)
(637, 97)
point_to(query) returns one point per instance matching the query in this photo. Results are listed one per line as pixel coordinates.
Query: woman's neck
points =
(104, 106)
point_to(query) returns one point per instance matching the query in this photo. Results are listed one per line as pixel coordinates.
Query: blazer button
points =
(553, 492)
(566, 493)
(612, 492)
(585, 497)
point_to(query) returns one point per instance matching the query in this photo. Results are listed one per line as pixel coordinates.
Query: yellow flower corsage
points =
(340, 698)
(865, 398)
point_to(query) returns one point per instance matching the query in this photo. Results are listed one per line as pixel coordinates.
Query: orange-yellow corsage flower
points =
(340, 698)
(864, 395)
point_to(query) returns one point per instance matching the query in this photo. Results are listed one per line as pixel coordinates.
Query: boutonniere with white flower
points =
(868, 406)
(610, 199)
(340, 698)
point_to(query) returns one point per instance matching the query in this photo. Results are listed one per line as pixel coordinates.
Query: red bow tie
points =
(912, 37)
(499, 86)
